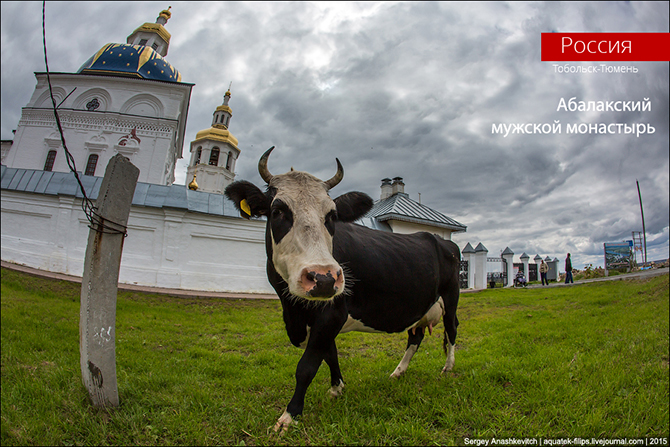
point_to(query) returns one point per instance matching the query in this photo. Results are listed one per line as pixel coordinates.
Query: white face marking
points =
(308, 244)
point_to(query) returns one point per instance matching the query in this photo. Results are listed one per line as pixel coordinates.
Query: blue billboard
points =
(618, 255)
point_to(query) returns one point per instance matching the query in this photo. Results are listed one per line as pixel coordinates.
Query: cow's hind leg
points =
(449, 344)
(414, 337)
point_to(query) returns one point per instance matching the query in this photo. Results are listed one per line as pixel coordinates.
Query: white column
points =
(169, 274)
(206, 153)
(470, 257)
(480, 269)
(509, 258)
(526, 270)
(468, 253)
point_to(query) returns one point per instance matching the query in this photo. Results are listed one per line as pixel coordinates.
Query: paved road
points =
(635, 275)
(203, 294)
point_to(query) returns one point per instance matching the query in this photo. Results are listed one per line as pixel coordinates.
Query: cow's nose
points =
(320, 283)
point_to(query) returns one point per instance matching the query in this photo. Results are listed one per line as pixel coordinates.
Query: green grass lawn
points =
(583, 361)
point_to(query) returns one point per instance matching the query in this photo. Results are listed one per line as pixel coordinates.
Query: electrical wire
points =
(96, 221)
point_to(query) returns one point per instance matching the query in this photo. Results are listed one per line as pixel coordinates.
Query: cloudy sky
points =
(409, 90)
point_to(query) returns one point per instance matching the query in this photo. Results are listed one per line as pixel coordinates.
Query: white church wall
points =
(25, 222)
(164, 247)
(232, 254)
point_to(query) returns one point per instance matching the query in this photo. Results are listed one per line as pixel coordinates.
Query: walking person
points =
(568, 270)
(544, 268)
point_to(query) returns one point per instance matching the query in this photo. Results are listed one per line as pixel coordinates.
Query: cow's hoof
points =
(336, 391)
(397, 373)
(283, 423)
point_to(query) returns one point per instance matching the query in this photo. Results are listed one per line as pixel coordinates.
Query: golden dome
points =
(156, 28)
(218, 133)
(224, 108)
(193, 185)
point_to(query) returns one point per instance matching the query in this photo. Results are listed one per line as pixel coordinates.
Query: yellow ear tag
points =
(244, 206)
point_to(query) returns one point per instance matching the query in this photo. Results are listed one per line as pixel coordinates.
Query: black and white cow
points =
(334, 276)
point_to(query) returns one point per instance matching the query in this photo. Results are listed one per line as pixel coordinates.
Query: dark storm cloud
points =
(404, 89)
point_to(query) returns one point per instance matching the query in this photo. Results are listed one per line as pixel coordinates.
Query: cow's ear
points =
(248, 199)
(352, 206)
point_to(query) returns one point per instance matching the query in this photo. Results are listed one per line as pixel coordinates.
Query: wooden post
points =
(97, 316)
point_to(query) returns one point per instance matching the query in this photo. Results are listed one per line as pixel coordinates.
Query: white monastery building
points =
(127, 99)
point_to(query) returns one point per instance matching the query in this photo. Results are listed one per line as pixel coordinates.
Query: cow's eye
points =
(280, 211)
(281, 220)
(277, 213)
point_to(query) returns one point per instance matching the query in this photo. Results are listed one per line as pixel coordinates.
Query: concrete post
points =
(97, 315)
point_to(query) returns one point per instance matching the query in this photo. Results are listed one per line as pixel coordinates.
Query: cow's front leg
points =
(307, 368)
(320, 347)
(414, 337)
(336, 380)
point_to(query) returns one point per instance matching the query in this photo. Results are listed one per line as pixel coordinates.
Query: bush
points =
(589, 273)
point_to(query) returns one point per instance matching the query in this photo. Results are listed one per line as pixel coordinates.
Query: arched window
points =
(92, 163)
(214, 157)
(229, 161)
(51, 158)
(198, 154)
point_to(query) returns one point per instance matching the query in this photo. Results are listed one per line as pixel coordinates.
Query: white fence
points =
(478, 266)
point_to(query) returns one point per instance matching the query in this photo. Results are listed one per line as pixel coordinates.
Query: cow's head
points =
(301, 225)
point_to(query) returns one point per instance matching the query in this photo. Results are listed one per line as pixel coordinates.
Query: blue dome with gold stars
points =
(139, 61)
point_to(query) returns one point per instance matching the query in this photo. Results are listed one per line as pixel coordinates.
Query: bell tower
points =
(214, 153)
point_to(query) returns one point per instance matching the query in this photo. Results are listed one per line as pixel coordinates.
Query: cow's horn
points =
(337, 178)
(263, 166)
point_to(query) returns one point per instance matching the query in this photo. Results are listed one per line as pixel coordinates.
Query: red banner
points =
(605, 47)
